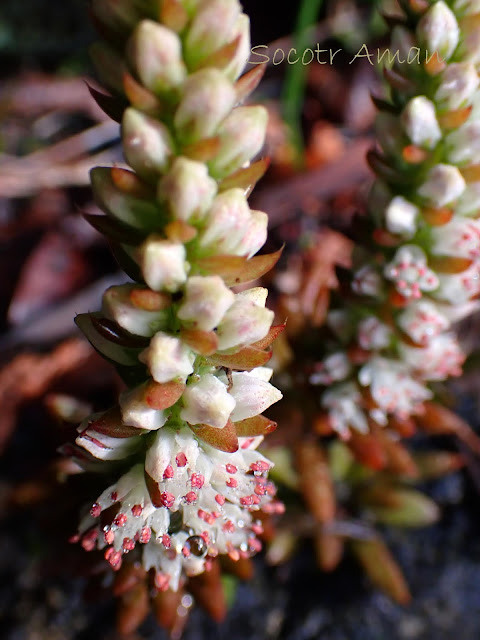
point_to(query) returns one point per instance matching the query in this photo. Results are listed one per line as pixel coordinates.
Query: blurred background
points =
(54, 265)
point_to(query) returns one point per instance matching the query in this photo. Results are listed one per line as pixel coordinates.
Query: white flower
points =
(245, 322)
(205, 302)
(207, 402)
(460, 237)
(409, 271)
(163, 264)
(255, 235)
(168, 358)
(392, 387)
(336, 367)
(401, 216)
(441, 359)
(419, 120)
(444, 185)
(373, 334)
(210, 496)
(422, 321)
(147, 143)
(137, 413)
(344, 405)
(117, 305)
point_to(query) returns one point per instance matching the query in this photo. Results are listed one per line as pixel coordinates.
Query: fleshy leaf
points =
(271, 336)
(122, 355)
(110, 424)
(203, 342)
(245, 360)
(246, 178)
(112, 106)
(256, 426)
(163, 396)
(223, 439)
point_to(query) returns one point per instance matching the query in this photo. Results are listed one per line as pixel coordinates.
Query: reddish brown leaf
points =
(256, 426)
(368, 450)
(255, 268)
(207, 589)
(223, 56)
(162, 396)
(271, 336)
(439, 420)
(242, 569)
(316, 483)
(110, 424)
(203, 342)
(149, 300)
(202, 151)
(449, 264)
(180, 231)
(328, 550)
(249, 81)
(223, 266)
(154, 491)
(129, 183)
(382, 569)
(247, 178)
(133, 609)
(173, 15)
(113, 107)
(139, 96)
(223, 439)
(245, 360)
(128, 577)
(165, 606)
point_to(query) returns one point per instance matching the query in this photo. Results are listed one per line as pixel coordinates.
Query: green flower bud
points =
(227, 222)
(237, 65)
(208, 97)
(156, 54)
(147, 143)
(242, 135)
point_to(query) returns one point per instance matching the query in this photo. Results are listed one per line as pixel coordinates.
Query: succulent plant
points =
(181, 442)
(419, 272)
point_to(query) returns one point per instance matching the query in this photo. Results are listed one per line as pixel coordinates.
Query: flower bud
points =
(117, 305)
(467, 7)
(373, 334)
(333, 368)
(458, 85)
(207, 98)
(167, 358)
(211, 27)
(156, 54)
(255, 235)
(137, 413)
(207, 402)
(242, 30)
(244, 323)
(242, 135)
(459, 288)
(205, 302)
(438, 30)
(463, 144)
(227, 222)
(252, 395)
(469, 202)
(187, 190)
(443, 186)
(401, 216)
(367, 282)
(147, 143)
(420, 122)
(163, 264)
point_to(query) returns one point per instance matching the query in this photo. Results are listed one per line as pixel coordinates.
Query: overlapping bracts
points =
(393, 335)
(190, 349)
